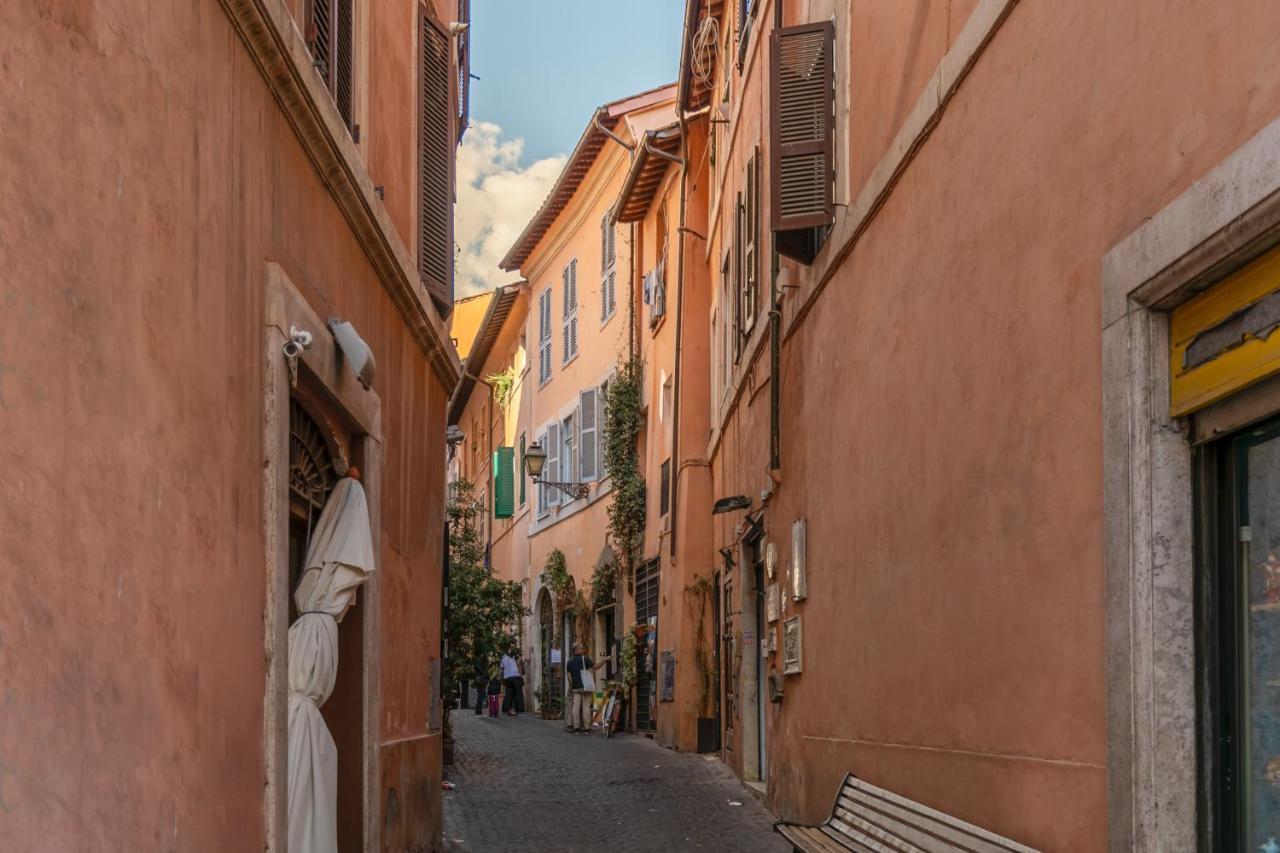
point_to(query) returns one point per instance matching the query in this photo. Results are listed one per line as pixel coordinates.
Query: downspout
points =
(595, 121)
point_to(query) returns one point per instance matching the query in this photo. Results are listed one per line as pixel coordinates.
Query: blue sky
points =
(546, 64)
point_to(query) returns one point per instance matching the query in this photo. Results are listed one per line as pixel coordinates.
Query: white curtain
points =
(339, 560)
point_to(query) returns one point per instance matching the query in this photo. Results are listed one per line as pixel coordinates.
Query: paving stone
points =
(524, 785)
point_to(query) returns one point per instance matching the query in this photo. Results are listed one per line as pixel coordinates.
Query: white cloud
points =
(496, 199)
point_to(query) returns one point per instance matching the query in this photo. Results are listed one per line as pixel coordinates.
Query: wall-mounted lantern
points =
(534, 460)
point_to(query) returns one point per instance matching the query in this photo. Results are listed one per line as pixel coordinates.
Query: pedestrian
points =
(581, 670)
(481, 674)
(512, 702)
(495, 690)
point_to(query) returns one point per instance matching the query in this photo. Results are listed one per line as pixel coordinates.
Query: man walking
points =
(513, 702)
(582, 682)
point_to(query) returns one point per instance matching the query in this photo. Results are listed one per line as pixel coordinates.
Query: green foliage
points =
(484, 612)
(629, 658)
(603, 580)
(557, 577)
(504, 383)
(622, 423)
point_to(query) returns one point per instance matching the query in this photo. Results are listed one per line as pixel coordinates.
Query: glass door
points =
(1246, 604)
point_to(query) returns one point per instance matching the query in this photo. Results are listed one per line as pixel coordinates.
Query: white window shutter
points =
(552, 469)
(588, 446)
(542, 490)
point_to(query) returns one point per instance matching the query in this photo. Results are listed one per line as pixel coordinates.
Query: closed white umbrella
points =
(339, 560)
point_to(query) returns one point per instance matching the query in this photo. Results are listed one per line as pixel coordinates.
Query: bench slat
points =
(846, 830)
(976, 834)
(925, 833)
(892, 836)
(812, 838)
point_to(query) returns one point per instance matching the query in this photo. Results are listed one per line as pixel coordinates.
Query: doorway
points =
(312, 476)
(1240, 592)
(646, 651)
(760, 665)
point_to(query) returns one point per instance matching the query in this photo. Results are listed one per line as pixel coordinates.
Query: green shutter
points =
(504, 482)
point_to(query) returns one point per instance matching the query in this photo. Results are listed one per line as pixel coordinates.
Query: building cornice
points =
(268, 31)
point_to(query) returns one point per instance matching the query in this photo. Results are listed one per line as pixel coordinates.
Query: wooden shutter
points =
(344, 51)
(608, 264)
(569, 329)
(504, 484)
(588, 446)
(551, 472)
(602, 404)
(739, 267)
(802, 116)
(544, 336)
(751, 241)
(435, 168)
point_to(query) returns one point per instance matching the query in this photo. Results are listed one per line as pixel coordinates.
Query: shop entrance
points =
(1240, 590)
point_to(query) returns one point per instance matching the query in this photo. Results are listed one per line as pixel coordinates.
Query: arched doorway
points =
(550, 683)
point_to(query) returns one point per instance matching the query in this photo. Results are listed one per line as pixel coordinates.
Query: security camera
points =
(299, 340)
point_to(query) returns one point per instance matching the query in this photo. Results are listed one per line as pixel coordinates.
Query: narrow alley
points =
(524, 784)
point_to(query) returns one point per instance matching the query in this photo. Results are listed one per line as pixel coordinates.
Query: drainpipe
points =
(775, 335)
(675, 405)
(595, 121)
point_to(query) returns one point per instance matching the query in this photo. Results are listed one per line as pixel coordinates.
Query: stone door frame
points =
(1222, 221)
(323, 375)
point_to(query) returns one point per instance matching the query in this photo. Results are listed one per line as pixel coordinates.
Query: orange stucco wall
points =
(941, 398)
(149, 177)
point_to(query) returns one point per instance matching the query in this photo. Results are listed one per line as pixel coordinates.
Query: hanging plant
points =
(557, 579)
(504, 385)
(629, 658)
(603, 580)
(623, 421)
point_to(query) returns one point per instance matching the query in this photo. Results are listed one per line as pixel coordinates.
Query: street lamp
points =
(534, 460)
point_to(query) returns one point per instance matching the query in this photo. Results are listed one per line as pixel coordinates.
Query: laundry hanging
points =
(339, 559)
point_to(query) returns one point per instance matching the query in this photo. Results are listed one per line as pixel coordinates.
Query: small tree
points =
(484, 612)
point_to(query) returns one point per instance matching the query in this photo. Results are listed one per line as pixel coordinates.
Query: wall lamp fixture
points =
(534, 460)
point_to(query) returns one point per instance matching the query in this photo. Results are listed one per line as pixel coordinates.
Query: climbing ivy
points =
(556, 577)
(622, 423)
(504, 383)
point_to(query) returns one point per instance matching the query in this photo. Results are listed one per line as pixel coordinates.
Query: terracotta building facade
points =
(988, 446)
(242, 240)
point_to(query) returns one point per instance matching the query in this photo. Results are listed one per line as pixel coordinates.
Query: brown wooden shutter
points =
(343, 72)
(802, 179)
(320, 35)
(435, 168)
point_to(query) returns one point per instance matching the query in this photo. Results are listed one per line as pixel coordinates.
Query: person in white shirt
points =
(513, 679)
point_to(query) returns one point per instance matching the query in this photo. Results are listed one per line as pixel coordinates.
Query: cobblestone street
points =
(526, 786)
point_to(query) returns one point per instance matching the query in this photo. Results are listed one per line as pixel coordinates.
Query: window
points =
(608, 270)
(435, 167)
(729, 333)
(745, 17)
(588, 436)
(544, 337)
(739, 220)
(802, 169)
(331, 37)
(520, 475)
(750, 242)
(464, 67)
(664, 499)
(568, 459)
(569, 331)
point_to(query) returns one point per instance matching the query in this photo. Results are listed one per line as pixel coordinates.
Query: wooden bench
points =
(867, 818)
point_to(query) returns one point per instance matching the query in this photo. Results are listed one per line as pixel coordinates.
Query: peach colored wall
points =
(137, 237)
(941, 400)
